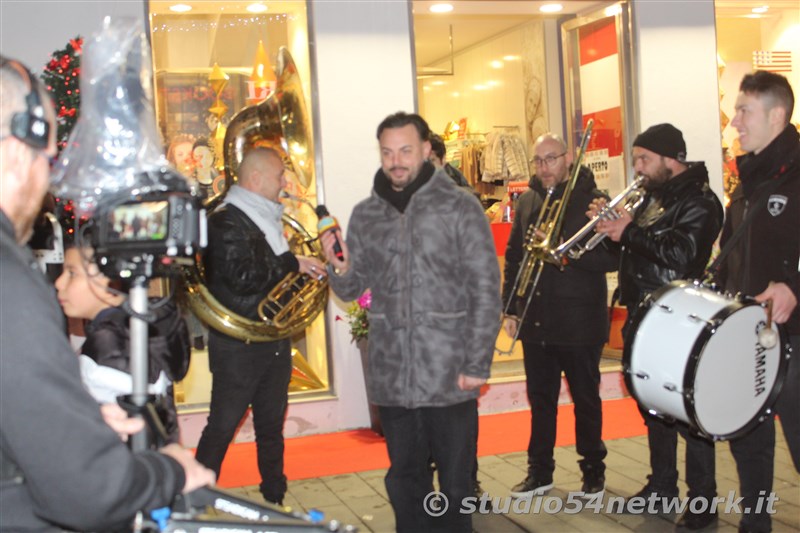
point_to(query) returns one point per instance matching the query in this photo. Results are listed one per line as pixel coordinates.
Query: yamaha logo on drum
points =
(760, 384)
(776, 204)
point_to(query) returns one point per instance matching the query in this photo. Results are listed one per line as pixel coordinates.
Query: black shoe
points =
(532, 486)
(694, 521)
(274, 501)
(477, 490)
(594, 484)
(659, 497)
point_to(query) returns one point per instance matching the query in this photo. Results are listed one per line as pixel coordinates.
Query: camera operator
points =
(61, 463)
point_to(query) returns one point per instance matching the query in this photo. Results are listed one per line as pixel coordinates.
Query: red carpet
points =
(360, 450)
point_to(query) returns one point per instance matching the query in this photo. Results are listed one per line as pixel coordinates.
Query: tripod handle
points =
(150, 416)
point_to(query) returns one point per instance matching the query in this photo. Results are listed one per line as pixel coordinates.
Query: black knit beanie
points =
(664, 139)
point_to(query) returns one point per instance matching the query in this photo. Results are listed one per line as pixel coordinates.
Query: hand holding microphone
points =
(328, 224)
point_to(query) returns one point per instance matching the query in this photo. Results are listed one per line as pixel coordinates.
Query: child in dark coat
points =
(84, 292)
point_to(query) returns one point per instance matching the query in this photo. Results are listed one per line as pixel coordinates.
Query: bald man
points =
(61, 466)
(565, 327)
(247, 256)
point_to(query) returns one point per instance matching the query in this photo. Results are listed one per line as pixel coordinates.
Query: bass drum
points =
(693, 354)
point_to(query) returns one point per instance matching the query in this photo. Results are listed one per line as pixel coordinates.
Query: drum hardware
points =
(671, 387)
(712, 324)
(665, 308)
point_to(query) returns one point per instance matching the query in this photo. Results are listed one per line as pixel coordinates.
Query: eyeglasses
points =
(548, 161)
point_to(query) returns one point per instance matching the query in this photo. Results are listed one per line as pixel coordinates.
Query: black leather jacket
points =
(240, 265)
(671, 235)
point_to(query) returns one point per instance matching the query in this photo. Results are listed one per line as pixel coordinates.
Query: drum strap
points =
(773, 184)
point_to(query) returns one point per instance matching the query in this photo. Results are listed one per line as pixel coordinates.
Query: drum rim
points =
(691, 372)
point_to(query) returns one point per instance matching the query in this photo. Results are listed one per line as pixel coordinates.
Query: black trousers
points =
(245, 375)
(581, 366)
(662, 438)
(413, 437)
(788, 402)
(754, 452)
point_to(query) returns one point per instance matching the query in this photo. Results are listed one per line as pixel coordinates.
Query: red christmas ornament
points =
(76, 45)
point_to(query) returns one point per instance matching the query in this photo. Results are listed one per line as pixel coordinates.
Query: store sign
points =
(597, 161)
(518, 187)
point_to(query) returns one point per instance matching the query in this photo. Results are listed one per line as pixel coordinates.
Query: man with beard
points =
(565, 327)
(669, 237)
(425, 249)
(764, 263)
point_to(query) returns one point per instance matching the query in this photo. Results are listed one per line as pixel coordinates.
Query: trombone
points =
(538, 245)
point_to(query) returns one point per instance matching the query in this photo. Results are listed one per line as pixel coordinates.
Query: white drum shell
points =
(695, 356)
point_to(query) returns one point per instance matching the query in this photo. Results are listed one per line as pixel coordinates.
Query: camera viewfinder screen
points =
(146, 221)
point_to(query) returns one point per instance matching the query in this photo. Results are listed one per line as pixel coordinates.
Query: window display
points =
(211, 63)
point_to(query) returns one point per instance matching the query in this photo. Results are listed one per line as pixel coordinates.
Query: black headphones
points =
(29, 126)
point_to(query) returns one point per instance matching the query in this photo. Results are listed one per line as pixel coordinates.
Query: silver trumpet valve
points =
(630, 198)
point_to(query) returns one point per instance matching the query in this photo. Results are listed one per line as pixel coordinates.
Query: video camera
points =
(149, 234)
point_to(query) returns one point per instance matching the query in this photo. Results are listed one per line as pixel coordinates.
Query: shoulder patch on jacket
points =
(776, 204)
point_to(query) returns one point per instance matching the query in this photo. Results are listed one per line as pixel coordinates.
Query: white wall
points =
(364, 73)
(676, 64)
(32, 30)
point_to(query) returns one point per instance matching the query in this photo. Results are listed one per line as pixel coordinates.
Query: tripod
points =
(189, 511)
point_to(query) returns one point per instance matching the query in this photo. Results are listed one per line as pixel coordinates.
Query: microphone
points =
(328, 223)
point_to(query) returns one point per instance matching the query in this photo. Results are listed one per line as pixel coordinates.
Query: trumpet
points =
(629, 199)
(538, 244)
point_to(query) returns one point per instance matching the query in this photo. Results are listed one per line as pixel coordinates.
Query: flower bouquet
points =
(357, 317)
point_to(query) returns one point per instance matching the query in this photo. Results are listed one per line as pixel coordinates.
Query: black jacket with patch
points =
(769, 250)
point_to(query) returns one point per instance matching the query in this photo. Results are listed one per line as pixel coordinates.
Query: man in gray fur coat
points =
(424, 248)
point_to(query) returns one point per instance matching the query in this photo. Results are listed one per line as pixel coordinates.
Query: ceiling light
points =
(437, 82)
(611, 11)
(256, 8)
(762, 9)
(496, 64)
(551, 8)
(441, 8)
(510, 58)
(180, 8)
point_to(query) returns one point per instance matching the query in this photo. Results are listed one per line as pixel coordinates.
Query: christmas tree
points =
(61, 76)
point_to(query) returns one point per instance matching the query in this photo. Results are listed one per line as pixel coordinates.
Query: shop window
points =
(211, 60)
